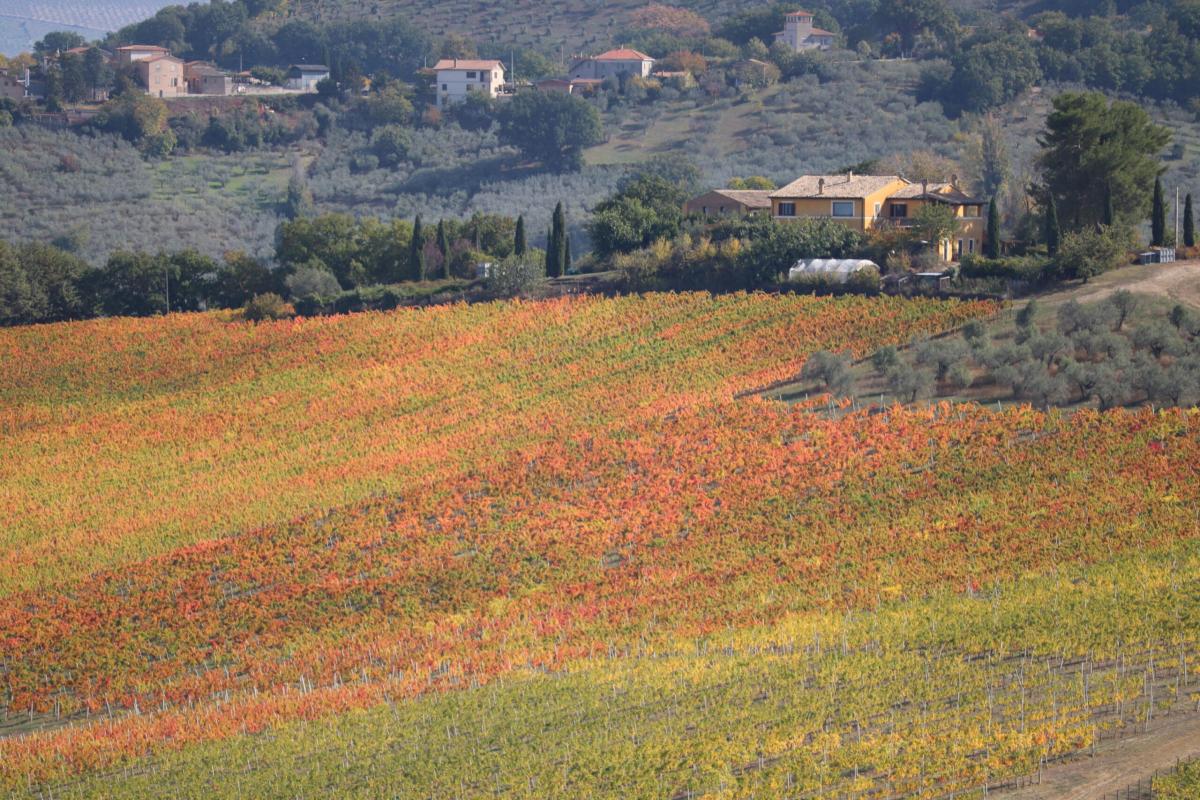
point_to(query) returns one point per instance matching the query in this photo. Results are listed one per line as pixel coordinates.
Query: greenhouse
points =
(833, 269)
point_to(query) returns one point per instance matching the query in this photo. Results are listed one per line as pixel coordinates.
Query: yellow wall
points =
(822, 207)
(969, 228)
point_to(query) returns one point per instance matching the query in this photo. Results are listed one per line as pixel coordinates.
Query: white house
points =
(611, 64)
(459, 77)
(799, 34)
(305, 77)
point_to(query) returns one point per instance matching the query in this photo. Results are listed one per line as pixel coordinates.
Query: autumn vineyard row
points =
(546, 549)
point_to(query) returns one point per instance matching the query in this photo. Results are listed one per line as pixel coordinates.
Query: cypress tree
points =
(560, 238)
(1110, 214)
(443, 244)
(519, 245)
(1158, 216)
(416, 252)
(551, 253)
(566, 254)
(991, 247)
(1189, 222)
(1051, 232)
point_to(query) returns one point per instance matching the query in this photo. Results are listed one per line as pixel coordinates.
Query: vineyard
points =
(559, 549)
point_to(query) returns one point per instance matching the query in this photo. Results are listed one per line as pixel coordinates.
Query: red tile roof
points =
(623, 54)
(144, 48)
(799, 13)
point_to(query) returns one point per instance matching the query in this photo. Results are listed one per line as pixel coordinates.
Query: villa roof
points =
(751, 198)
(799, 13)
(836, 186)
(622, 54)
(143, 47)
(942, 192)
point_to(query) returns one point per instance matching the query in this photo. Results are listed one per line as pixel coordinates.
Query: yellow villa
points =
(866, 202)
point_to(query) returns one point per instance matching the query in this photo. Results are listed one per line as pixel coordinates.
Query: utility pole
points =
(167, 286)
(1176, 216)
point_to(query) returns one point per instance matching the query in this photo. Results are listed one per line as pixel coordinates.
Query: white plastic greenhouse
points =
(835, 269)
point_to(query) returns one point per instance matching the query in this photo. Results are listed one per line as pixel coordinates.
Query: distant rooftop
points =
(468, 63)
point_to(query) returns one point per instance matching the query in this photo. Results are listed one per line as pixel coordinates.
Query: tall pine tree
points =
(1158, 216)
(991, 247)
(443, 245)
(416, 252)
(519, 245)
(1050, 230)
(1189, 222)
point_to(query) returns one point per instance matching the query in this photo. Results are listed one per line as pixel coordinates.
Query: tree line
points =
(317, 259)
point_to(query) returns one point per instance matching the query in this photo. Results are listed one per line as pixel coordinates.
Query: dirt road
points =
(1118, 763)
(1179, 282)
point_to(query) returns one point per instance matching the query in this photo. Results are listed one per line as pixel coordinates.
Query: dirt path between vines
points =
(1118, 763)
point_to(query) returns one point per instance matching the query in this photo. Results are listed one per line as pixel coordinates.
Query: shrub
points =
(1123, 303)
(941, 355)
(1087, 253)
(864, 281)
(267, 306)
(517, 274)
(959, 377)
(885, 359)
(832, 370)
(910, 383)
(1159, 338)
(1094, 318)
(312, 280)
(1026, 268)
(975, 334)
(1027, 315)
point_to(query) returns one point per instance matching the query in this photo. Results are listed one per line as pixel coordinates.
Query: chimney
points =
(849, 176)
(924, 187)
(820, 186)
(953, 181)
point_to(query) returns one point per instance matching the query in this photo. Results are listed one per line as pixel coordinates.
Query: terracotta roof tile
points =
(848, 186)
(622, 54)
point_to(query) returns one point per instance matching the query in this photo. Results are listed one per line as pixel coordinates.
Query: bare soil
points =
(1118, 763)
(1178, 282)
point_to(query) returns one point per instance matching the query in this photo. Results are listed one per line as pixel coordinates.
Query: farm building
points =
(729, 202)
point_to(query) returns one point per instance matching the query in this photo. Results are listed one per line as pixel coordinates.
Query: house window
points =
(958, 252)
(878, 207)
(444, 87)
(899, 210)
(470, 76)
(970, 245)
(787, 209)
(843, 208)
